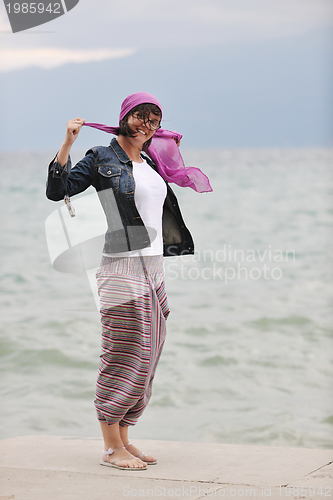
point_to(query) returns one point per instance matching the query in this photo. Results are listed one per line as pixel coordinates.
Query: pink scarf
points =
(163, 149)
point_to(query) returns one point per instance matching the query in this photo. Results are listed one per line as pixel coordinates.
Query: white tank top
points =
(149, 195)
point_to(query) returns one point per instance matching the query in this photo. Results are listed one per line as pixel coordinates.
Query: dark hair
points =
(145, 110)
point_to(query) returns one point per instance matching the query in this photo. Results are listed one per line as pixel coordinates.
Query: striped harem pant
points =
(134, 310)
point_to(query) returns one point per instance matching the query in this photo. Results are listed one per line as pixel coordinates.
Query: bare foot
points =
(123, 458)
(148, 459)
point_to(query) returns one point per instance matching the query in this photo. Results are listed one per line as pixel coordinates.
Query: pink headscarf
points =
(163, 149)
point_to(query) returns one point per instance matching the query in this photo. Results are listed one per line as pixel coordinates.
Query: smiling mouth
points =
(141, 131)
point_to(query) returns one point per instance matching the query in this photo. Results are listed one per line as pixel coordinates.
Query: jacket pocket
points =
(109, 170)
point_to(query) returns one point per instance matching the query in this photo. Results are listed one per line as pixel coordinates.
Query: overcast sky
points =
(103, 29)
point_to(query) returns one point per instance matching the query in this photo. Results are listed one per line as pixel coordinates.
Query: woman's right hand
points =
(73, 129)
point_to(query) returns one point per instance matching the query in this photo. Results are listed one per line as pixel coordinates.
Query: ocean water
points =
(248, 355)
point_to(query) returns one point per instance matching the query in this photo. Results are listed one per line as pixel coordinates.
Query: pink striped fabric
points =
(134, 310)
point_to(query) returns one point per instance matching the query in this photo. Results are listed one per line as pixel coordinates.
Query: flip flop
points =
(113, 464)
(141, 457)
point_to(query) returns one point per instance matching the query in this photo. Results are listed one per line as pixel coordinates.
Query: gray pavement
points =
(67, 468)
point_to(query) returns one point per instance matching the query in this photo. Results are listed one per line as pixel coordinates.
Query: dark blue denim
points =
(110, 171)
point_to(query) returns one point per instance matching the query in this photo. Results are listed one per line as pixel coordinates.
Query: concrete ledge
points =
(67, 468)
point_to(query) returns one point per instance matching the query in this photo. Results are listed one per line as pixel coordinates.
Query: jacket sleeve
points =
(64, 180)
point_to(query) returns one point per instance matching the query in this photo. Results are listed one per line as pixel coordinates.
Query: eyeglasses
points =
(151, 124)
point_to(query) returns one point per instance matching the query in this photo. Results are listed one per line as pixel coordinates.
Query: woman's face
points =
(142, 129)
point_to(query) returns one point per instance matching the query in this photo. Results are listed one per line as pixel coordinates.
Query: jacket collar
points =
(122, 156)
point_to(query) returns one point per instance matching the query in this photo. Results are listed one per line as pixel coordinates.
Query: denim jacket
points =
(110, 171)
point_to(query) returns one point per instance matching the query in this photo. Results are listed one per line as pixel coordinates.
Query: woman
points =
(144, 223)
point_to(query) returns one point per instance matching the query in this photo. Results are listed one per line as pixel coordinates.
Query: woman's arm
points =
(62, 179)
(72, 132)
